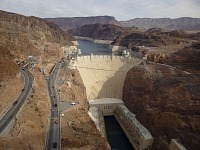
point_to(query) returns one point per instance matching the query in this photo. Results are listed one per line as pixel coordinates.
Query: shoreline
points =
(106, 42)
(114, 48)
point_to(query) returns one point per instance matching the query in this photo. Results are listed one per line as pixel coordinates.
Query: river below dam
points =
(115, 135)
(88, 47)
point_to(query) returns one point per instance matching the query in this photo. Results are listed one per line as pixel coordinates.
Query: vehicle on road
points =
(73, 103)
(56, 121)
(55, 144)
(22, 90)
(15, 102)
(52, 109)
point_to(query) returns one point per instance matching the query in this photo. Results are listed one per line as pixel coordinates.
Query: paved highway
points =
(13, 110)
(53, 137)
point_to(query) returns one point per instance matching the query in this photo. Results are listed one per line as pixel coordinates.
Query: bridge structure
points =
(103, 77)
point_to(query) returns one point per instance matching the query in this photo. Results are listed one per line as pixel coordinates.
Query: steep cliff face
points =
(98, 31)
(166, 101)
(148, 39)
(70, 23)
(22, 36)
(186, 58)
(185, 23)
(8, 68)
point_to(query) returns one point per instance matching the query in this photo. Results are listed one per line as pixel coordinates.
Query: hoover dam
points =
(104, 75)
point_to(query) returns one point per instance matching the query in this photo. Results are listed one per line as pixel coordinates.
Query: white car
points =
(73, 103)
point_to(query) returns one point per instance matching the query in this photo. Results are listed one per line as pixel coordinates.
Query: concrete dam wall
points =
(104, 76)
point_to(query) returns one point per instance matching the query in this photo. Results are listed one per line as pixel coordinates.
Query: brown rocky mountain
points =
(166, 101)
(149, 38)
(185, 59)
(98, 31)
(184, 23)
(22, 36)
(74, 22)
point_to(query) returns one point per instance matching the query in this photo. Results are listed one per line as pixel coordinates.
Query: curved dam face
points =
(104, 76)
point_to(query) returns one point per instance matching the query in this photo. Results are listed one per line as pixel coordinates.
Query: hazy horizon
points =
(121, 10)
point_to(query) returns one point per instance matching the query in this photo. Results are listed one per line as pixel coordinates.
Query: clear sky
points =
(120, 9)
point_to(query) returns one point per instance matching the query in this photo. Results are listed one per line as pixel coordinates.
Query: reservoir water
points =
(88, 47)
(115, 135)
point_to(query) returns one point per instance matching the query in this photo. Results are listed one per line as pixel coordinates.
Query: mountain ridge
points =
(182, 23)
(74, 22)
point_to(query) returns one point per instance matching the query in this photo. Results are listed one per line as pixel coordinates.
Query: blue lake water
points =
(88, 47)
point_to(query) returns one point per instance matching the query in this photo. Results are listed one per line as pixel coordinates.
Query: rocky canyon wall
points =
(166, 101)
(21, 36)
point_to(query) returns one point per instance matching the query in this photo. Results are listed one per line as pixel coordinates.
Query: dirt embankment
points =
(9, 91)
(29, 131)
(167, 102)
(78, 130)
(72, 88)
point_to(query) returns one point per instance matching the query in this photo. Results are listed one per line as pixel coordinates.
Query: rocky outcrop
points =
(74, 22)
(73, 89)
(8, 68)
(167, 102)
(186, 58)
(22, 36)
(185, 23)
(98, 31)
(148, 39)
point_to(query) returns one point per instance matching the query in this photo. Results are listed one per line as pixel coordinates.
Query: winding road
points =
(15, 107)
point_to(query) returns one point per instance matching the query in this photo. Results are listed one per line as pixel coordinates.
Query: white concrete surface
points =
(104, 76)
(106, 101)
